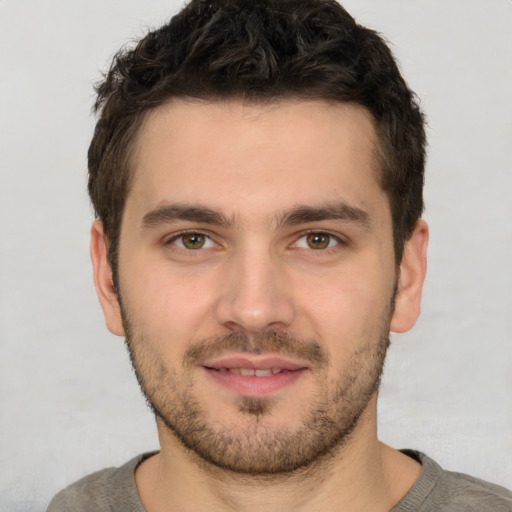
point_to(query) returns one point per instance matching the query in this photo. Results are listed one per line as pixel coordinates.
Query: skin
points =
(257, 273)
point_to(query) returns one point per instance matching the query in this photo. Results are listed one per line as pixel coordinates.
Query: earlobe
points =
(412, 272)
(103, 282)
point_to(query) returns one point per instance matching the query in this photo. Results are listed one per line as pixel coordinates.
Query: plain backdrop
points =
(69, 403)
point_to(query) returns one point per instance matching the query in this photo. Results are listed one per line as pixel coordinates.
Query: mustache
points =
(275, 342)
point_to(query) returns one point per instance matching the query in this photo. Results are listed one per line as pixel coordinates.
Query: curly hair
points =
(258, 51)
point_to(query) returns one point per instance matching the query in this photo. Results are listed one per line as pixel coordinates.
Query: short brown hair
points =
(259, 51)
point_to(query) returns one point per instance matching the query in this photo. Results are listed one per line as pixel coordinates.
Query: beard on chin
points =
(257, 448)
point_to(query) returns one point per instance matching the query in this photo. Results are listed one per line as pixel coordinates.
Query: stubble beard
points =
(258, 448)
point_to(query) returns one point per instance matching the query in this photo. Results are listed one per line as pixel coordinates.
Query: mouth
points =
(251, 372)
(254, 376)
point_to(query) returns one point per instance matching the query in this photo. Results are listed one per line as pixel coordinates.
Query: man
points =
(257, 173)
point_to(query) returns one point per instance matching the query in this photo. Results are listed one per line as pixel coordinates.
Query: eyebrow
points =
(303, 214)
(172, 212)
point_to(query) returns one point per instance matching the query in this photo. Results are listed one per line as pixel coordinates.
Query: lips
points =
(251, 372)
(254, 375)
(255, 362)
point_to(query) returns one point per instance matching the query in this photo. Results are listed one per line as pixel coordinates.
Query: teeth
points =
(250, 372)
(262, 373)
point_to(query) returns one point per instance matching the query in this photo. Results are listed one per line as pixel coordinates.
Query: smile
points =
(253, 382)
(251, 372)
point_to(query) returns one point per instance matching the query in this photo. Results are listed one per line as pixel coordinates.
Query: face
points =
(256, 278)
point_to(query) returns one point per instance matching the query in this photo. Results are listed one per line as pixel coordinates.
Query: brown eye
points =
(193, 240)
(318, 240)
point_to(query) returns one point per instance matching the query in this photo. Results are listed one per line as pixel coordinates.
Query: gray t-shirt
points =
(436, 490)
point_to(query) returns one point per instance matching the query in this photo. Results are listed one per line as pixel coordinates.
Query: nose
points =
(255, 293)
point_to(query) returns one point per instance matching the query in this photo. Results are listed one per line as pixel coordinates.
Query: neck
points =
(363, 474)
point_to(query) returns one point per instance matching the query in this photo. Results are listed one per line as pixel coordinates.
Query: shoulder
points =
(90, 490)
(440, 490)
(109, 490)
(460, 490)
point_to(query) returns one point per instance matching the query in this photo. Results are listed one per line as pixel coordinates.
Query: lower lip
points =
(255, 386)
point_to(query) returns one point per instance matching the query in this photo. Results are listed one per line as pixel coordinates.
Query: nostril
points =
(253, 318)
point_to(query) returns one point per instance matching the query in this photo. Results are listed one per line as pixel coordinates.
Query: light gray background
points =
(69, 403)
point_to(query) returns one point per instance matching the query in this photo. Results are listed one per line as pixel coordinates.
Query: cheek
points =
(346, 307)
(166, 306)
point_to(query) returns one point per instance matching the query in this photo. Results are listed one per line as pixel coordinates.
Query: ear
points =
(410, 279)
(103, 279)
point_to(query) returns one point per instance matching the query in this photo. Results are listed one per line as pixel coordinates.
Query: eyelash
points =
(332, 237)
(170, 241)
(336, 238)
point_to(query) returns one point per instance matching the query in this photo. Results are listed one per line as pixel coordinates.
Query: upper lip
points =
(255, 362)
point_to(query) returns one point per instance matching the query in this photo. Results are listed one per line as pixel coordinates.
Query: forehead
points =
(242, 157)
